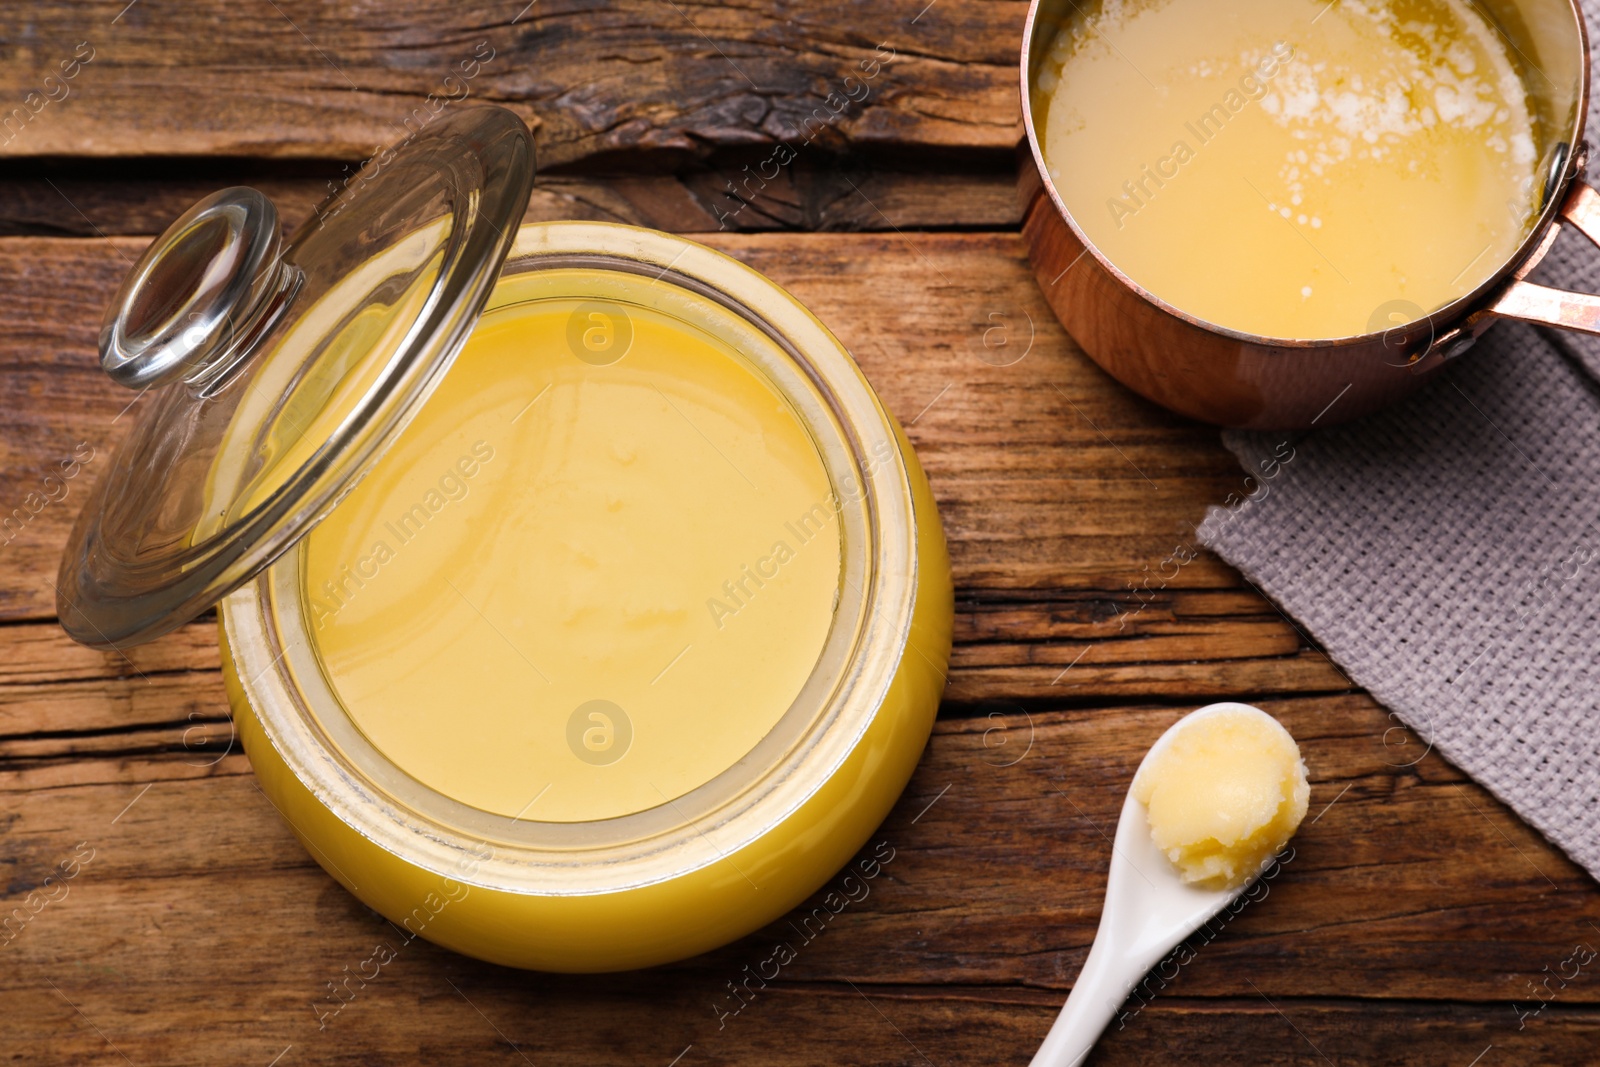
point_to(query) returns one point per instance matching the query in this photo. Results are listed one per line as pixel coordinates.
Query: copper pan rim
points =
(1518, 263)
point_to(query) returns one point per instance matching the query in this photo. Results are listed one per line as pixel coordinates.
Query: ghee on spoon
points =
(1214, 800)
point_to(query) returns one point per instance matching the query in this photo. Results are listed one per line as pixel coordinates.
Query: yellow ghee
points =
(607, 549)
(1291, 168)
(1224, 794)
(481, 729)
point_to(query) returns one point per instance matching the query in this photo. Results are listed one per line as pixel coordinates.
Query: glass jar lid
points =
(280, 373)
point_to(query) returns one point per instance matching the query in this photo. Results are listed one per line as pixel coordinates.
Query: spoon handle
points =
(1147, 911)
(1097, 994)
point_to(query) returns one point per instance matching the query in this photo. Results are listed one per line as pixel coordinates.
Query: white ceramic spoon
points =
(1148, 911)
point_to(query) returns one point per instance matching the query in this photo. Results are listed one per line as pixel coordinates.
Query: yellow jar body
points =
(653, 920)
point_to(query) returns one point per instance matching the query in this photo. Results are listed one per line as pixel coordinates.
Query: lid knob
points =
(195, 291)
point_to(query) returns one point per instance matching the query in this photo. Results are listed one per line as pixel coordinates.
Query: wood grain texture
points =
(692, 201)
(1413, 925)
(658, 79)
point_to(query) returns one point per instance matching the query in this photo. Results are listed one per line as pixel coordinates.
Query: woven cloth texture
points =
(1445, 553)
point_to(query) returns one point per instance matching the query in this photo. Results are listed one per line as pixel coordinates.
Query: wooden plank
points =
(41, 655)
(697, 200)
(1049, 475)
(594, 80)
(123, 704)
(454, 1018)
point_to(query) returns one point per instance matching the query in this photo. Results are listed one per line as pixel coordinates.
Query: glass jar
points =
(629, 884)
(710, 865)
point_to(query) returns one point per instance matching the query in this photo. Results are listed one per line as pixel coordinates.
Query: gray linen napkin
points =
(1446, 554)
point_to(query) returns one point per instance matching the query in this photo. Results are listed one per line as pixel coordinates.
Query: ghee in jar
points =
(1304, 169)
(626, 642)
(594, 571)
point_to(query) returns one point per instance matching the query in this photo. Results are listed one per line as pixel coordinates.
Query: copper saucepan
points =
(1237, 379)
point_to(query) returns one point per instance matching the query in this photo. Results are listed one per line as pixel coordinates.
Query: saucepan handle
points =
(1528, 302)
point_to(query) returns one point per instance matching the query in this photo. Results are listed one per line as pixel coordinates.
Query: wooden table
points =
(1419, 922)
